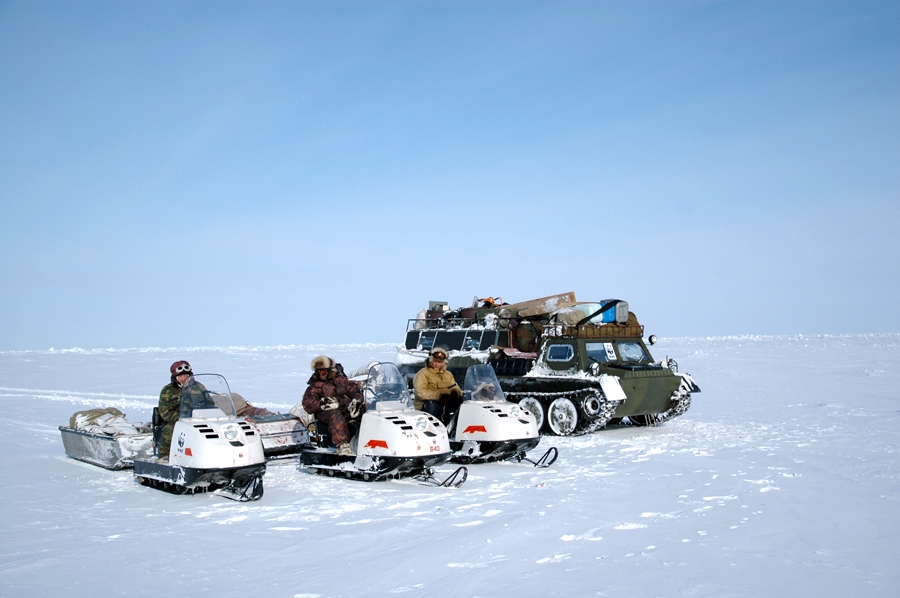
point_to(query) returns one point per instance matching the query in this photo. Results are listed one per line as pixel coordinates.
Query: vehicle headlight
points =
(230, 431)
(514, 411)
(421, 423)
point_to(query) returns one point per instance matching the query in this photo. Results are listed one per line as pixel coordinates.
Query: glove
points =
(328, 403)
(354, 408)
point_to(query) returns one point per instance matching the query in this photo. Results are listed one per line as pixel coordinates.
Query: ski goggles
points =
(439, 355)
(184, 368)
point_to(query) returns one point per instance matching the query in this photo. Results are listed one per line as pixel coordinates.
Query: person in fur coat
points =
(334, 400)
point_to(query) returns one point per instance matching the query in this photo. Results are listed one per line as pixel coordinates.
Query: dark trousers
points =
(336, 420)
(445, 409)
(165, 440)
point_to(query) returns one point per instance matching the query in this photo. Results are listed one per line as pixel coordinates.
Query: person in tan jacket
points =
(436, 392)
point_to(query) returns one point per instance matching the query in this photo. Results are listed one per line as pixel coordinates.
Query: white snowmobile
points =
(394, 439)
(212, 449)
(487, 427)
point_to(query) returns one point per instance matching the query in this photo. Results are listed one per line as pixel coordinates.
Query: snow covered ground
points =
(781, 480)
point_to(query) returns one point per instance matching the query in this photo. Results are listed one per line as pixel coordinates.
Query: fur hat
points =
(435, 351)
(321, 362)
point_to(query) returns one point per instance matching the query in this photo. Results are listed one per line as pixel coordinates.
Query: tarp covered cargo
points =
(104, 437)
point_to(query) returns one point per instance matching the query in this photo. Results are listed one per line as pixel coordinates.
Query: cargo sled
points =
(103, 437)
(282, 434)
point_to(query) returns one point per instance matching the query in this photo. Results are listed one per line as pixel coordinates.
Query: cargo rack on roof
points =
(593, 330)
(456, 323)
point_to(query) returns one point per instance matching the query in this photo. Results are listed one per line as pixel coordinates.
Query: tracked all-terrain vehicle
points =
(576, 366)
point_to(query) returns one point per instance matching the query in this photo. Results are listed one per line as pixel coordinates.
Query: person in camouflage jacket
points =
(334, 400)
(170, 405)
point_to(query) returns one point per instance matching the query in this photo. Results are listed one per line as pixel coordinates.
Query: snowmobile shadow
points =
(324, 462)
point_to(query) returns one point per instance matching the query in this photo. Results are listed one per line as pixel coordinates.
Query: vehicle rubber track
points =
(681, 402)
(681, 399)
(594, 409)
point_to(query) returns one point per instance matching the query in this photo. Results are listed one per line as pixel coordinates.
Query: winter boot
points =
(344, 450)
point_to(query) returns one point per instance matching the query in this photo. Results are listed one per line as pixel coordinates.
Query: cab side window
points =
(560, 353)
(427, 340)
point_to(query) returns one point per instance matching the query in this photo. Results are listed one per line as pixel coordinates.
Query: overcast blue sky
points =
(258, 173)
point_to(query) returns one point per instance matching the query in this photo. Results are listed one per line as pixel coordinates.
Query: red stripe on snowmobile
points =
(473, 429)
(377, 444)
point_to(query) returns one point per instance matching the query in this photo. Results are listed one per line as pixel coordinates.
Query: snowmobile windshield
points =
(386, 388)
(482, 385)
(204, 394)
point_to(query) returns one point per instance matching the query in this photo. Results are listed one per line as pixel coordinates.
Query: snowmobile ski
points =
(546, 460)
(454, 480)
(429, 477)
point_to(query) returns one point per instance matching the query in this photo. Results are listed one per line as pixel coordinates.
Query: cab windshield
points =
(206, 391)
(632, 352)
(482, 385)
(386, 388)
(600, 352)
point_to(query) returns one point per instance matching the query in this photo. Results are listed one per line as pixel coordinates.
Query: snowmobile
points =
(212, 449)
(487, 427)
(394, 440)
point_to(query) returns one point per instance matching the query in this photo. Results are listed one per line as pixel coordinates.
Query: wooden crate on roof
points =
(544, 305)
